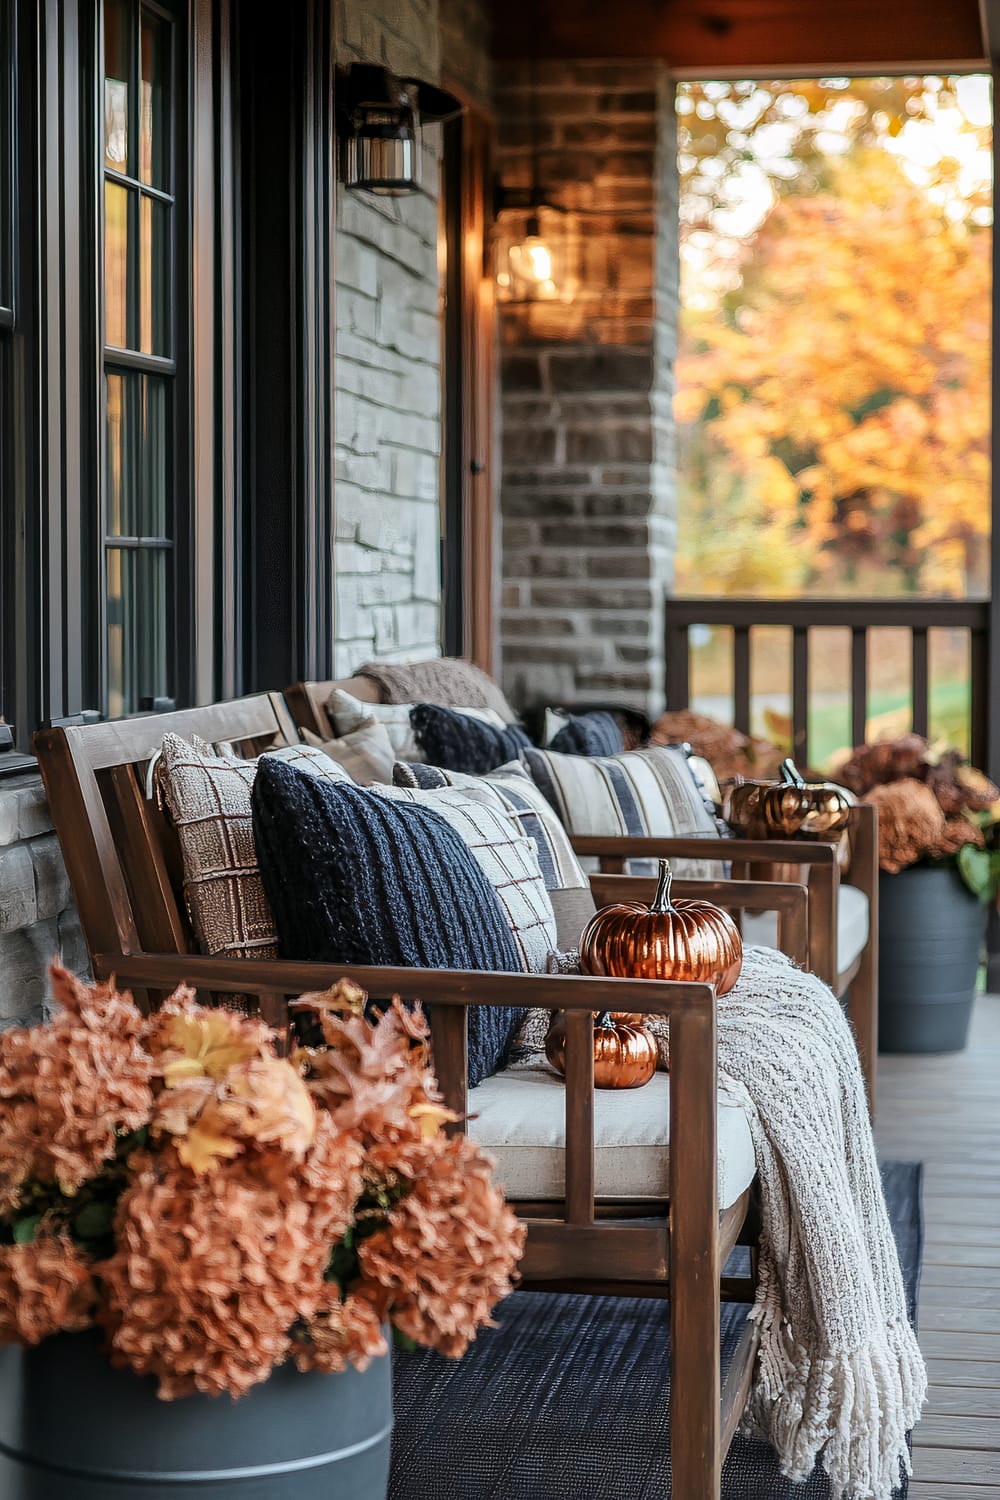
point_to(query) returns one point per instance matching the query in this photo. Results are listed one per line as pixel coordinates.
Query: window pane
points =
(138, 665)
(154, 269)
(153, 520)
(154, 139)
(116, 636)
(116, 206)
(117, 68)
(119, 461)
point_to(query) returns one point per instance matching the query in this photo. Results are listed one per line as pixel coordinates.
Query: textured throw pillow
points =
(208, 797)
(458, 742)
(366, 754)
(349, 714)
(510, 789)
(509, 861)
(596, 733)
(643, 793)
(356, 878)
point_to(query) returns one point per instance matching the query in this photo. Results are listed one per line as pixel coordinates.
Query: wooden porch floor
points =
(945, 1111)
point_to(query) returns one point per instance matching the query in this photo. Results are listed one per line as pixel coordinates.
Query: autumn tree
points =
(834, 378)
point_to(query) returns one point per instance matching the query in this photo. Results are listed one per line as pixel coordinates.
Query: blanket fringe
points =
(849, 1413)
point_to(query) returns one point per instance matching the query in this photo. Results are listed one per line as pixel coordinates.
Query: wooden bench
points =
(124, 866)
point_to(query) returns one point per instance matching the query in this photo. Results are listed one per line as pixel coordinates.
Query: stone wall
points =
(37, 919)
(588, 501)
(388, 351)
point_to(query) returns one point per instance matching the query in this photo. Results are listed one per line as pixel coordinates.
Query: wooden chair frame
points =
(307, 704)
(123, 864)
(859, 982)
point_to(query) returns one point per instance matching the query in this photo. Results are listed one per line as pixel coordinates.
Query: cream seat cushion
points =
(520, 1118)
(852, 927)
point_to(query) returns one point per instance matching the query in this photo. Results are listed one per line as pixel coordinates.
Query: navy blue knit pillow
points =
(457, 743)
(353, 878)
(595, 733)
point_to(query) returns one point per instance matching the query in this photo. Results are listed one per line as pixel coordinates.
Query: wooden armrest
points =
(760, 851)
(448, 987)
(789, 900)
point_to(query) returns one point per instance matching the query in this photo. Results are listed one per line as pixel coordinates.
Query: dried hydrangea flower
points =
(344, 1330)
(448, 1252)
(910, 823)
(45, 1287)
(71, 1087)
(212, 1272)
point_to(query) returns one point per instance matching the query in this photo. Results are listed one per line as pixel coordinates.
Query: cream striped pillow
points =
(644, 793)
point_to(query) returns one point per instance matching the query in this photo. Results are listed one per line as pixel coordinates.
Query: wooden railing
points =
(859, 616)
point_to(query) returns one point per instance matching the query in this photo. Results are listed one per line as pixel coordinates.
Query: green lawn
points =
(829, 724)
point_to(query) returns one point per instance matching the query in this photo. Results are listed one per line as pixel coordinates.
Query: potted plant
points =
(205, 1245)
(939, 856)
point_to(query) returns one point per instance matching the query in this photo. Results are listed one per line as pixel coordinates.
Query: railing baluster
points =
(859, 683)
(979, 746)
(677, 663)
(741, 678)
(860, 616)
(920, 716)
(800, 694)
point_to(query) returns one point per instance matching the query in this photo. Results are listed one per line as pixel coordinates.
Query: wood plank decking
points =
(945, 1111)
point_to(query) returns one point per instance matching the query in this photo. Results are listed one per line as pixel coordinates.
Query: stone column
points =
(588, 496)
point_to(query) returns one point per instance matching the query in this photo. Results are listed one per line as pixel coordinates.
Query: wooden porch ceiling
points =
(719, 38)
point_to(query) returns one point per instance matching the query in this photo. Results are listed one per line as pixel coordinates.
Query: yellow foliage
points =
(840, 398)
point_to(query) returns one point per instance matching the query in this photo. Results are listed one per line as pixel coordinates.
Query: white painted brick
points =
(384, 588)
(427, 554)
(384, 625)
(356, 266)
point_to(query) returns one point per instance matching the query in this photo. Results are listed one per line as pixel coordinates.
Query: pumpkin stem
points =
(789, 774)
(661, 901)
(603, 1021)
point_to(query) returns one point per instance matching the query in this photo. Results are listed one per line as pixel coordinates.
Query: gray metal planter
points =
(931, 931)
(73, 1428)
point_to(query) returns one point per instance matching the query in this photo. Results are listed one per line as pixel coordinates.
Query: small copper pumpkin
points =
(625, 1054)
(798, 806)
(689, 940)
(788, 807)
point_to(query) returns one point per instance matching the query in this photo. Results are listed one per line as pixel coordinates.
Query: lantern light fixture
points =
(379, 118)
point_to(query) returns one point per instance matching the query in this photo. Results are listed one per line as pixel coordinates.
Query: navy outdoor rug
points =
(568, 1399)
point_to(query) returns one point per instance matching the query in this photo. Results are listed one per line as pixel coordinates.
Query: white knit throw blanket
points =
(840, 1378)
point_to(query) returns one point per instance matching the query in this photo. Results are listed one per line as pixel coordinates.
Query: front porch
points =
(262, 428)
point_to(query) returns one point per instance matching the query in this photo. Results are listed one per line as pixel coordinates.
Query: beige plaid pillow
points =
(366, 754)
(208, 796)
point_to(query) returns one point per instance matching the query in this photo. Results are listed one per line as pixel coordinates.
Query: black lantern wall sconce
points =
(379, 118)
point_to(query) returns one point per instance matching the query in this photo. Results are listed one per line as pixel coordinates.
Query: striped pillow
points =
(508, 860)
(511, 790)
(644, 793)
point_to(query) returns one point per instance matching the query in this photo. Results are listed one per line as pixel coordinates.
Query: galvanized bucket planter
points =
(931, 931)
(74, 1428)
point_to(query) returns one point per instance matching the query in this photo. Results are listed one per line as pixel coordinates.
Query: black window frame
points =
(173, 366)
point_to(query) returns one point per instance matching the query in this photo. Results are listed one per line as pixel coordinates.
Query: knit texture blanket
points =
(840, 1379)
(447, 680)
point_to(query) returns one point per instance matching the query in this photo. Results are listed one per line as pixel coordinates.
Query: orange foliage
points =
(840, 396)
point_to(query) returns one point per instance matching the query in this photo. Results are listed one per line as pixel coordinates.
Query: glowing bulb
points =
(539, 259)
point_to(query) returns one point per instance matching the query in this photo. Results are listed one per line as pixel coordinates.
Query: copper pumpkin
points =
(787, 807)
(625, 1054)
(688, 940)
